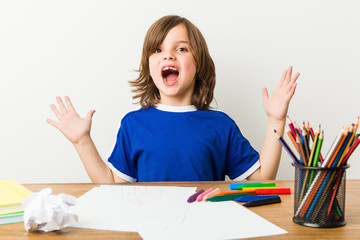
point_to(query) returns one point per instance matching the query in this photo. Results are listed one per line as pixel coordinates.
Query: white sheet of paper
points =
(216, 220)
(130, 208)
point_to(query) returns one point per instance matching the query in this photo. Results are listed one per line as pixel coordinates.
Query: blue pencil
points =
(342, 149)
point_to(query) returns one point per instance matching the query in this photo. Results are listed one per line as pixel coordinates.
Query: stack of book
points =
(11, 195)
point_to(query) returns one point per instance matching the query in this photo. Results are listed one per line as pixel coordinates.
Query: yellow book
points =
(11, 195)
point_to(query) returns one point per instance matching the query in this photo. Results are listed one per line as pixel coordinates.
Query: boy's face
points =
(173, 68)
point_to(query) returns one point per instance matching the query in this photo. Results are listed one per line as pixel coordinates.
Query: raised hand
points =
(70, 123)
(276, 106)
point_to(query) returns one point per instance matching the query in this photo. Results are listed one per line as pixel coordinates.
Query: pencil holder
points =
(319, 196)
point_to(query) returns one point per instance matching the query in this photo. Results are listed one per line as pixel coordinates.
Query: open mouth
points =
(170, 75)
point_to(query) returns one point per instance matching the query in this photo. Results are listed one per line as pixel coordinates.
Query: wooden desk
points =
(280, 214)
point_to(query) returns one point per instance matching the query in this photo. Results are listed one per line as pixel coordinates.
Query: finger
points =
(295, 77)
(282, 79)
(55, 124)
(61, 105)
(292, 90)
(69, 104)
(288, 74)
(56, 111)
(265, 94)
(292, 82)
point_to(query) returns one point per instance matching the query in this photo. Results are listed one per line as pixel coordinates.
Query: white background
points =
(90, 49)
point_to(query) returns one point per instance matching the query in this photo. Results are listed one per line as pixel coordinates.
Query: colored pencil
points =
(291, 125)
(308, 131)
(287, 148)
(351, 137)
(318, 149)
(311, 158)
(332, 149)
(316, 156)
(312, 137)
(355, 129)
(351, 150)
(342, 149)
(291, 137)
(303, 158)
(305, 143)
(297, 128)
(344, 135)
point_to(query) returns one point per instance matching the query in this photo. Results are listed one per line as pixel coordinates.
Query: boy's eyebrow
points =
(182, 41)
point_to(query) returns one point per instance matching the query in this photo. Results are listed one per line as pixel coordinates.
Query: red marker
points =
(273, 191)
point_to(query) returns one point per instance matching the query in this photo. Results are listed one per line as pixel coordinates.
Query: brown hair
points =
(205, 77)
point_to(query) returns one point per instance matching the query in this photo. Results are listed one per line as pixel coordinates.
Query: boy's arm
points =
(95, 167)
(270, 153)
(77, 131)
(276, 108)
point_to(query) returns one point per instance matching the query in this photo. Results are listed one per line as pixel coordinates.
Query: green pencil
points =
(318, 148)
(311, 158)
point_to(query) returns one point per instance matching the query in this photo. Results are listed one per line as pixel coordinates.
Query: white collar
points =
(167, 108)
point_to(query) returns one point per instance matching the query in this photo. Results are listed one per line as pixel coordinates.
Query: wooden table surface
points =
(279, 214)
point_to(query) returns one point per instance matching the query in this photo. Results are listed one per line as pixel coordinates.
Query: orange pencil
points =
(344, 135)
(303, 157)
(355, 129)
(288, 132)
(351, 131)
(351, 150)
(308, 131)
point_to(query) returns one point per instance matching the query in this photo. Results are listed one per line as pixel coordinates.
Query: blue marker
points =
(252, 198)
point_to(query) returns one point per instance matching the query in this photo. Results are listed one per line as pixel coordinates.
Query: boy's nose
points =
(169, 55)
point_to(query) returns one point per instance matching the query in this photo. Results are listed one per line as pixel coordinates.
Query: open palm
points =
(69, 122)
(276, 106)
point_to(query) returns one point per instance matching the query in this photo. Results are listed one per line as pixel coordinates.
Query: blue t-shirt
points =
(158, 144)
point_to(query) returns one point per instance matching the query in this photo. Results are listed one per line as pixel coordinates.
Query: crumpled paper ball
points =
(46, 212)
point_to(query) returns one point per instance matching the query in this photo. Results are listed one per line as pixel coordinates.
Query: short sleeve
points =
(242, 158)
(120, 161)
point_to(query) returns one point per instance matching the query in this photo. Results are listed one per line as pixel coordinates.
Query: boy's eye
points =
(182, 49)
(158, 50)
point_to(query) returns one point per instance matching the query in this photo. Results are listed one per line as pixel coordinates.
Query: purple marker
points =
(193, 197)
